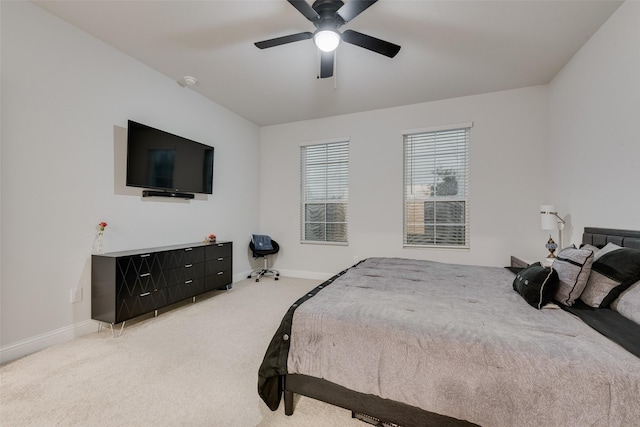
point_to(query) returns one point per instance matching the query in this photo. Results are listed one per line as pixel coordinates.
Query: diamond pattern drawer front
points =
(144, 262)
(184, 290)
(130, 283)
(184, 273)
(141, 304)
(185, 256)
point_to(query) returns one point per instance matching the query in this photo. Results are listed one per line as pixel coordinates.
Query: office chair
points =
(262, 246)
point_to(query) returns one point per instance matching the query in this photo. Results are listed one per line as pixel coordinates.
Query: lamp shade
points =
(548, 220)
(326, 40)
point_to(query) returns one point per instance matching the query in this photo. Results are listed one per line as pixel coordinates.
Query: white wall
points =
(594, 128)
(508, 181)
(66, 98)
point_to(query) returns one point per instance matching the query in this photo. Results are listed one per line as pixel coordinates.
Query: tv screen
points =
(159, 160)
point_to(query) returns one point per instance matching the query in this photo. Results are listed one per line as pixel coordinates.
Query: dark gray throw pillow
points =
(536, 284)
(611, 274)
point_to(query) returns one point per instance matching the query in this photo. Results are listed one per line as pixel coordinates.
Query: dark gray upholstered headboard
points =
(601, 236)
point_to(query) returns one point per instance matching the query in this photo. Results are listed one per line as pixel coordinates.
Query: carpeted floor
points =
(193, 365)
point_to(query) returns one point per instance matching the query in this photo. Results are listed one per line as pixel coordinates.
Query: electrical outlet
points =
(75, 295)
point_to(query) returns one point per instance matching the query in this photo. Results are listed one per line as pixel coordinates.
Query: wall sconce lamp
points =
(550, 220)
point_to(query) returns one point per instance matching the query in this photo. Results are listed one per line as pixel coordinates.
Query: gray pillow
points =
(573, 267)
(611, 274)
(628, 303)
(595, 249)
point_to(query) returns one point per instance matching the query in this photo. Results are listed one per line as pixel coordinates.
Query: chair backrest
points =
(257, 252)
(262, 242)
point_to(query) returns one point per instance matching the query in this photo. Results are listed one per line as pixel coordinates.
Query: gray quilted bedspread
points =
(459, 341)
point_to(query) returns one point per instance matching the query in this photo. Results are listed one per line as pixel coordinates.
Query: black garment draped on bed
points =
(274, 364)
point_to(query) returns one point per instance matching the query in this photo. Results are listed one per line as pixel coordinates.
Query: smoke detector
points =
(190, 80)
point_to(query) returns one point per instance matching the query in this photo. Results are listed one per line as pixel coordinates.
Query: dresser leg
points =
(121, 329)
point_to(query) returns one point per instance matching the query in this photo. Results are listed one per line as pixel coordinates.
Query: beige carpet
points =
(193, 365)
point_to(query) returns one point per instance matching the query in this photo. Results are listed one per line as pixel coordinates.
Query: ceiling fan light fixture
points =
(326, 40)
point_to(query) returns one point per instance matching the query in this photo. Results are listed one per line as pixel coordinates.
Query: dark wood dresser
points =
(130, 283)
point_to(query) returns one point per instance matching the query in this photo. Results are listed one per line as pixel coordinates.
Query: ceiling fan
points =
(328, 16)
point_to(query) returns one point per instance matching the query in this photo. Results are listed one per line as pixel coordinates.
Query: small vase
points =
(99, 249)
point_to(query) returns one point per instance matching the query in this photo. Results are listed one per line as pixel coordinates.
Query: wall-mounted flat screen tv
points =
(159, 160)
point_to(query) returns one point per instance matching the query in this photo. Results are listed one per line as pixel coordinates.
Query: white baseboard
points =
(40, 342)
(58, 336)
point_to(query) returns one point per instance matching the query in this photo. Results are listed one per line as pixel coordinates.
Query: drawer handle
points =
(145, 274)
(188, 266)
(145, 294)
(188, 281)
(188, 249)
(220, 259)
(220, 273)
(145, 255)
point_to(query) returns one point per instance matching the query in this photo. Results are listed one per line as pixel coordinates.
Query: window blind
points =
(436, 188)
(324, 192)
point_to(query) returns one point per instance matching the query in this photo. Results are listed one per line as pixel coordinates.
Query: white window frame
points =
(426, 157)
(334, 182)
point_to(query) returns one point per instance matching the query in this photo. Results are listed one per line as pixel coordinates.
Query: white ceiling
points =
(449, 49)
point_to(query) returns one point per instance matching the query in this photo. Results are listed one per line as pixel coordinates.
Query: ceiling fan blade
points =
(304, 8)
(376, 45)
(326, 64)
(353, 8)
(284, 40)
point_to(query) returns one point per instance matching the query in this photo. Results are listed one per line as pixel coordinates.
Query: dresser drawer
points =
(181, 257)
(182, 274)
(143, 283)
(220, 280)
(217, 265)
(185, 290)
(216, 250)
(144, 303)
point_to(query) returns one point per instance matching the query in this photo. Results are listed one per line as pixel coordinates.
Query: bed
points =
(418, 343)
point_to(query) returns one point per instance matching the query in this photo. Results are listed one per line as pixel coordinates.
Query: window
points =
(324, 192)
(436, 187)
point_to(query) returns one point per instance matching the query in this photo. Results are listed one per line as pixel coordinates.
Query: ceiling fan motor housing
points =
(328, 16)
